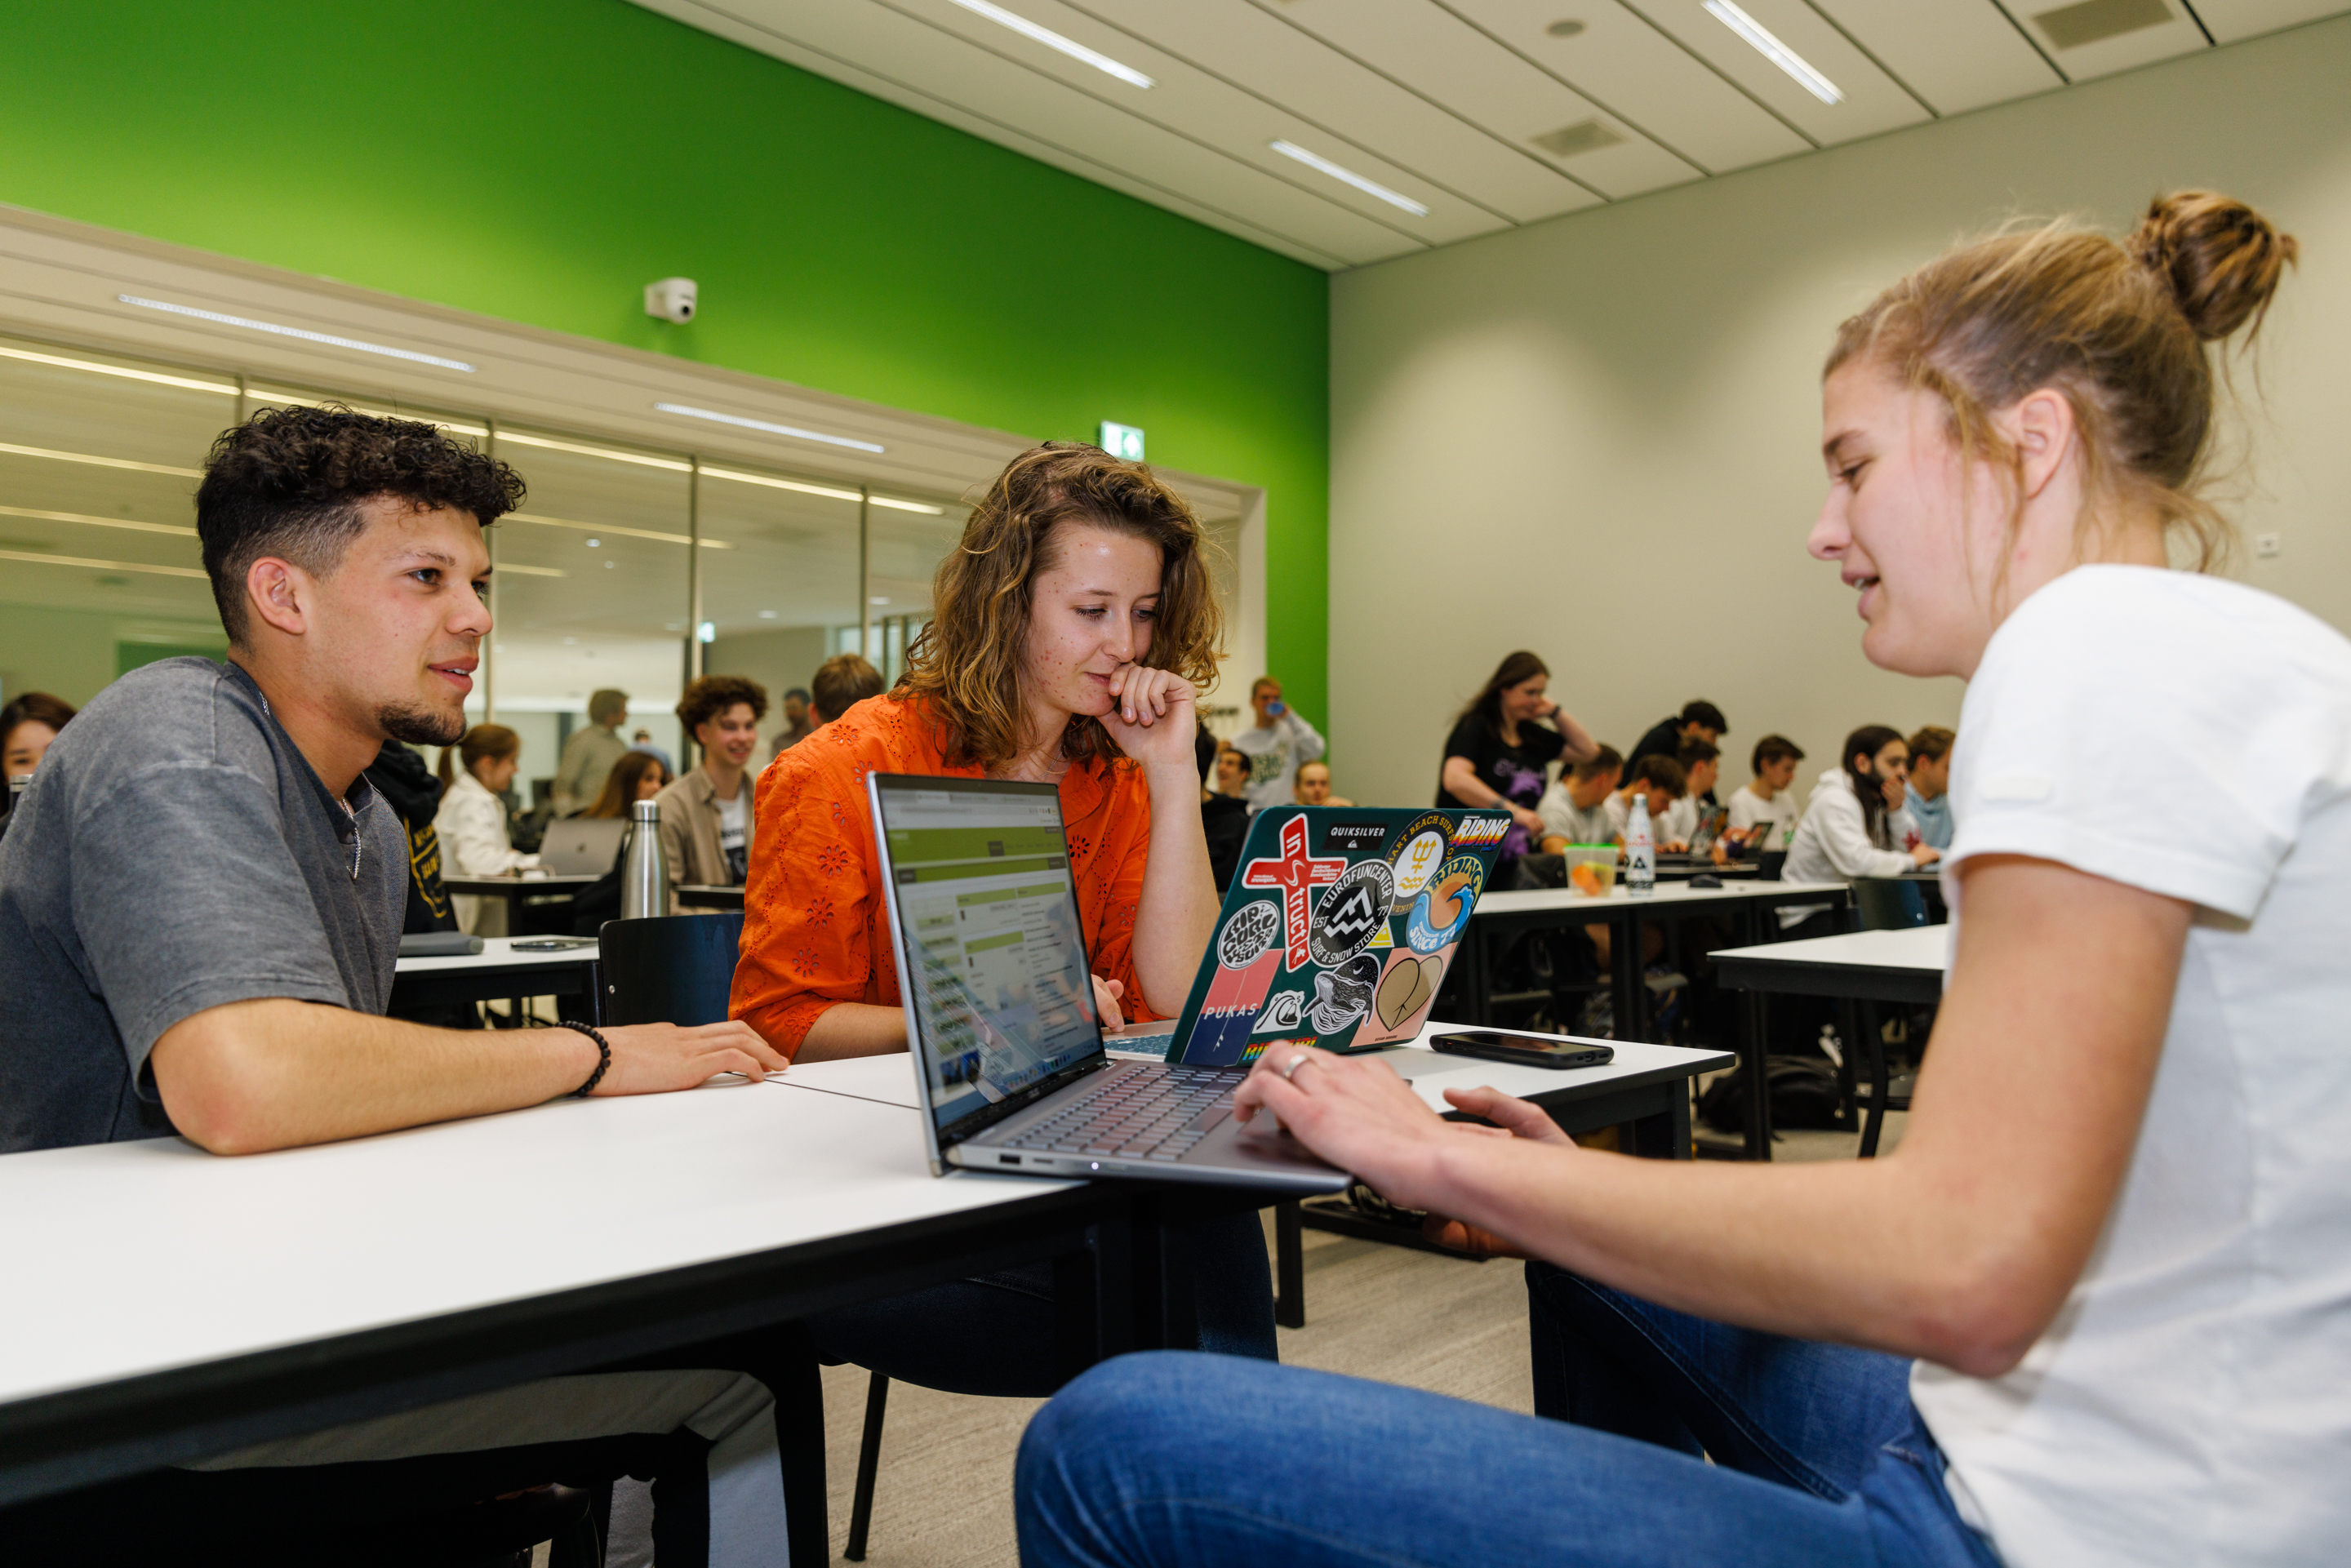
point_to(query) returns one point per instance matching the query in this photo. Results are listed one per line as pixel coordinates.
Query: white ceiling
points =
(1442, 100)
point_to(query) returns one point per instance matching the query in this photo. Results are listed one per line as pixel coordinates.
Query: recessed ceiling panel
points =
(1953, 55)
(2098, 37)
(1773, 48)
(1265, 55)
(1441, 56)
(1632, 70)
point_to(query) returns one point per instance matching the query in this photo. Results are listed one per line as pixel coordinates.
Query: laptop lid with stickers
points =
(1337, 931)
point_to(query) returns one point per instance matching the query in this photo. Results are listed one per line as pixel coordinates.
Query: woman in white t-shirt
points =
(2096, 1308)
(472, 820)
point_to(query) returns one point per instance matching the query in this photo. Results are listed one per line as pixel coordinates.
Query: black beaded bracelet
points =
(602, 1067)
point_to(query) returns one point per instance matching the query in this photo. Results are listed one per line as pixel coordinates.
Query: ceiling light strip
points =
(826, 491)
(1761, 39)
(509, 567)
(96, 369)
(613, 527)
(312, 400)
(923, 507)
(96, 522)
(1345, 176)
(330, 339)
(1053, 40)
(640, 459)
(795, 432)
(98, 462)
(85, 563)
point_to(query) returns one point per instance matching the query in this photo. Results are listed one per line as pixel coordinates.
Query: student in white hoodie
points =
(1856, 824)
(472, 822)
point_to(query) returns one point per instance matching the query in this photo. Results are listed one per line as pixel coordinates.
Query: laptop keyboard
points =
(1146, 1112)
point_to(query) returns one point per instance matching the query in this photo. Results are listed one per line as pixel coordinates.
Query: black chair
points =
(1771, 865)
(1882, 904)
(669, 968)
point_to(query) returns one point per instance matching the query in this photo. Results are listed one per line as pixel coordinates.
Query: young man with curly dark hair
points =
(201, 905)
(705, 816)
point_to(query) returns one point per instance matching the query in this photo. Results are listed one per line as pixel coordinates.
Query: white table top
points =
(1746, 890)
(890, 1079)
(155, 1255)
(497, 953)
(1915, 947)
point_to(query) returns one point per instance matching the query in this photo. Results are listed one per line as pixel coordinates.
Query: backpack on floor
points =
(1803, 1089)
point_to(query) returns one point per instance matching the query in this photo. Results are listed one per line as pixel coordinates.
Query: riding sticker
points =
(1250, 934)
(1400, 1002)
(1351, 912)
(1442, 910)
(1342, 996)
(1419, 851)
(1474, 831)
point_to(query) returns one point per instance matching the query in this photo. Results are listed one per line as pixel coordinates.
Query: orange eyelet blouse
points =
(815, 927)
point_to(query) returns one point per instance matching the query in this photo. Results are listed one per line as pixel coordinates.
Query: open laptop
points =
(581, 846)
(1000, 1019)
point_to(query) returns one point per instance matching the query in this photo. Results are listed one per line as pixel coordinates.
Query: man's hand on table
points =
(653, 1058)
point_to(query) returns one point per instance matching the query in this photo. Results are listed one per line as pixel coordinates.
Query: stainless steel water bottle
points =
(645, 873)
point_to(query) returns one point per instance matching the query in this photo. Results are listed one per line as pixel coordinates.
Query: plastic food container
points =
(1591, 868)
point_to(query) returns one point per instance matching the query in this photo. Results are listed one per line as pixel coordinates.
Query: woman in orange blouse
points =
(1074, 571)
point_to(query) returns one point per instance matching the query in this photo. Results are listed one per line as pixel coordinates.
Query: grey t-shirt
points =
(175, 852)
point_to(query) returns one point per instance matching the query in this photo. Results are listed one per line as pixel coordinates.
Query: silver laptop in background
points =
(1000, 1020)
(581, 846)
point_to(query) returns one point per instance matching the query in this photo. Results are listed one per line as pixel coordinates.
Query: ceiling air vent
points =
(1584, 136)
(2095, 21)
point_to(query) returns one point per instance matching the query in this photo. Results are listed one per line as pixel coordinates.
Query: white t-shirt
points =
(1276, 753)
(2191, 1404)
(734, 835)
(1748, 808)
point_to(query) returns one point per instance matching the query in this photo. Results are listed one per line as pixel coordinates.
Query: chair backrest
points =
(670, 969)
(1888, 904)
(1771, 865)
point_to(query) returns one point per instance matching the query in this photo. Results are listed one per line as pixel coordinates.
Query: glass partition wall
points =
(627, 568)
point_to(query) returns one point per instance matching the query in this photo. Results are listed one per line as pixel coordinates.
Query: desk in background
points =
(499, 972)
(1904, 965)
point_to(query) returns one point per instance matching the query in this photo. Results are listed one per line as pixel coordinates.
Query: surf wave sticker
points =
(1442, 911)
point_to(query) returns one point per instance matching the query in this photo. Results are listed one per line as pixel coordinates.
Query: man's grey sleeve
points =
(185, 896)
(1310, 739)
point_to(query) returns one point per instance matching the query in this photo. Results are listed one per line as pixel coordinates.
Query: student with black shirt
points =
(1699, 720)
(1499, 753)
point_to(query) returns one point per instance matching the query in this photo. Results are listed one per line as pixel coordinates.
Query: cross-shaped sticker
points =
(1294, 872)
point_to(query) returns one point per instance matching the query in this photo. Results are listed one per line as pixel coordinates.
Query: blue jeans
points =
(994, 1334)
(1819, 1458)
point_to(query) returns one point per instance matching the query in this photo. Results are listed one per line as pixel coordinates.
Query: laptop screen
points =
(987, 917)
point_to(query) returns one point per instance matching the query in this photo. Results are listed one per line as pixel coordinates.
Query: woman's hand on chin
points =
(1152, 715)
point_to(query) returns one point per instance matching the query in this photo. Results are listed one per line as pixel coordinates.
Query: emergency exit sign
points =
(1123, 441)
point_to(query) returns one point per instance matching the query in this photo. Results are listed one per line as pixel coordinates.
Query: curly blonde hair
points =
(969, 661)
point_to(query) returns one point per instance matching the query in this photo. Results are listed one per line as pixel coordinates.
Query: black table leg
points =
(1753, 1045)
(1289, 1265)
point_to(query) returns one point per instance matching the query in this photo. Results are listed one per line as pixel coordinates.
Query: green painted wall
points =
(541, 159)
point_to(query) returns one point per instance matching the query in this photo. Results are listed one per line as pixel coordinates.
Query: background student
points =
(2098, 1321)
(1698, 720)
(1225, 813)
(1928, 792)
(1700, 760)
(1763, 812)
(638, 775)
(797, 723)
(232, 991)
(1314, 786)
(1275, 745)
(840, 683)
(1856, 824)
(1501, 749)
(28, 725)
(1658, 781)
(1574, 810)
(705, 816)
(472, 819)
(643, 740)
(589, 755)
(1073, 570)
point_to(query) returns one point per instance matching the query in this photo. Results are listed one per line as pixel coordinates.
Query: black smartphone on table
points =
(1526, 1050)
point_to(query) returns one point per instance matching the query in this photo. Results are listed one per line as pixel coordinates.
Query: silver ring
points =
(1294, 1063)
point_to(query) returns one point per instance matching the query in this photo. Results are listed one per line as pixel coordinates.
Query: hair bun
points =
(2219, 259)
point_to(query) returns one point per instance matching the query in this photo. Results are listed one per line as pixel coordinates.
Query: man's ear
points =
(279, 594)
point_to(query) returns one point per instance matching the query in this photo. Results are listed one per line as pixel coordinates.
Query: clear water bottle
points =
(1640, 850)
(644, 872)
